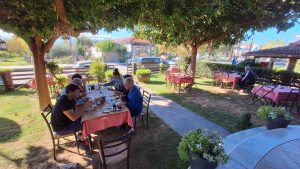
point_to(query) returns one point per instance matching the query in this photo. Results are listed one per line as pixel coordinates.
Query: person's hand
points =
(89, 103)
(118, 93)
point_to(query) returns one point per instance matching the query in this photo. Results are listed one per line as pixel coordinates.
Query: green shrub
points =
(244, 122)
(98, 70)
(62, 80)
(143, 72)
(53, 68)
(284, 77)
(3, 70)
(265, 112)
(108, 75)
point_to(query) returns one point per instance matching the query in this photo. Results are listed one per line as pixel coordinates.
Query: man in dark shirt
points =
(248, 78)
(65, 118)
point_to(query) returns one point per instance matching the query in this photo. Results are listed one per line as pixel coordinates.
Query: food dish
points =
(107, 110)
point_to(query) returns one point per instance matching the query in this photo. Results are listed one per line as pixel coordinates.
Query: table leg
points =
(90, 143)
(179, 87)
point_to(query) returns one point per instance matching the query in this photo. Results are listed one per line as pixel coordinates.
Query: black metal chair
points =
(117, 145)
(292, 99)
(54, 136)
(145, 112)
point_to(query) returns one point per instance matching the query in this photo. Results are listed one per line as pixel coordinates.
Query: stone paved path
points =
(179, 118)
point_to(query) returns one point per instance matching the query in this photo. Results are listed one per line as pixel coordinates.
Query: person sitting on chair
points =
(248, 78)
(116, 82)
(134, 98)
(65, 118)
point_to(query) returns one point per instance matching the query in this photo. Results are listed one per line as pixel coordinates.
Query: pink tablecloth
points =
(233, 77)
(179, 78)
(280, 93)
(32, 83)
(92, 125)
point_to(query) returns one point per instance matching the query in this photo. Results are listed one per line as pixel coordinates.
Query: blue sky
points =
(259, 37)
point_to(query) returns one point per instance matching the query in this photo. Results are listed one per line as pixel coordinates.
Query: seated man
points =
(65, 118)
(134, 100)
(248, 78)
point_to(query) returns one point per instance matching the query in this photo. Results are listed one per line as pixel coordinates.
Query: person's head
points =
(77, 81)
(128, 83)
(247, 68)
(126, 76)
(73, 91)
(76, 75)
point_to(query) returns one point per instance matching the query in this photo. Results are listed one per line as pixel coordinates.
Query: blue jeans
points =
(75, 126)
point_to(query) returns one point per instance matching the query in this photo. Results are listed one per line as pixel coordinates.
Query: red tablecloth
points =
(174, 69)
(179, 78)
(279, 94)
(233, 77)
(32, 83)
(101, 123)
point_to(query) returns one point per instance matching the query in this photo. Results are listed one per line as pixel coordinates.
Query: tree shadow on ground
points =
(9, 130)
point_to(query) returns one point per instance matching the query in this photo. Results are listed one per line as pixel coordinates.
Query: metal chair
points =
(292, 99)
(146, 102)
(225, 79)
(215, 78)
(122, 143)
(54, 136)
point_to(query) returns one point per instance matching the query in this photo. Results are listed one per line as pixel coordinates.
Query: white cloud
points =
(5, 35)
(297, 36)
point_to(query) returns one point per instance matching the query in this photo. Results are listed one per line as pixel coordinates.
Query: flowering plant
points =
(265, 112)
(207, 145)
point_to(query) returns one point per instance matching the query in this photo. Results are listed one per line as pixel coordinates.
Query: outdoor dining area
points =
(105, 108)
(175, 78)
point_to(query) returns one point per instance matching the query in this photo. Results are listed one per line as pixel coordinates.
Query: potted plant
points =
(202, 149)
(277, 117)
(143, 75)
(7, 79)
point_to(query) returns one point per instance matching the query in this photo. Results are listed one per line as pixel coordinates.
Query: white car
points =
(83, 64)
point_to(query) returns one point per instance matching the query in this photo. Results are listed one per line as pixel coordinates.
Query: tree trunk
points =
(292, 64)
(193, 60)
(40, 71)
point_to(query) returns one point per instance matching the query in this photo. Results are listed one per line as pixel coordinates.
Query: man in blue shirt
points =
(134, 98)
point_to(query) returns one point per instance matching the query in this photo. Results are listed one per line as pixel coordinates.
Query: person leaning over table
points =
(116, 82)
(82, 96)
(65, 118)
(134, 100)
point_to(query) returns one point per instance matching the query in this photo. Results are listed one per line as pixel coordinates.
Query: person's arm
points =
(109, 83)
(78, 112)
(246, 76)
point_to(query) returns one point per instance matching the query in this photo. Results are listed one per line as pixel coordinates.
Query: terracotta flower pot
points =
(277, 123)
(8, 81)
(201, 163)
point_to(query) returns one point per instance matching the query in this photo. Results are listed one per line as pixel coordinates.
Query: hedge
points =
(206, 70)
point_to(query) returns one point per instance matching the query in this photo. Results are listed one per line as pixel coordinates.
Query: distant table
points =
(231, 77)
(179, 78)
(97, 120)
(278, 94)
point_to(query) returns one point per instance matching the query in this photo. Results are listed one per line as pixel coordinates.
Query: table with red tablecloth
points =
(97, 120)
(229, 77)
(179, 78)
(276, 94)
(32, 83)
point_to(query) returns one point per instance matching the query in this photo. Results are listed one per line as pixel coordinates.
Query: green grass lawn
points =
(226, 119)
(25, 140)
(19, 61)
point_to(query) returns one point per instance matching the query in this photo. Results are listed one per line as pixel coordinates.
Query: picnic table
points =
(179, 78)
(98, 120)
(229, 77)
(276, 94)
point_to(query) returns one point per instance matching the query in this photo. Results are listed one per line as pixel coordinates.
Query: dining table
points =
(103, 116)
(229, 77)
(276, 94)
(178, 79)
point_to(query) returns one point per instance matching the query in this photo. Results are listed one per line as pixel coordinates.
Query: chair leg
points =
(76, 138)
(147, 119)
(134, 123)
(54, 149)
(90, 143)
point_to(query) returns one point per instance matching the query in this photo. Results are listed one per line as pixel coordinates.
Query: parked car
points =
(172, 62)
(152, 63)
(83, 64)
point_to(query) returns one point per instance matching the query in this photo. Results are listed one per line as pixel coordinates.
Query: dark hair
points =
(116, 73)
(72, 88)
(125, 76)
(76, 75)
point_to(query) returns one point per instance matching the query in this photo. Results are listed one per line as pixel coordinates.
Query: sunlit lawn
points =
(222, 116)
(25, 140)
(19, 61)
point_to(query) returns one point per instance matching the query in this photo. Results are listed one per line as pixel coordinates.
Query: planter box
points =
(277, 123)
(143, 78)
(8, 81)
(201, 163)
